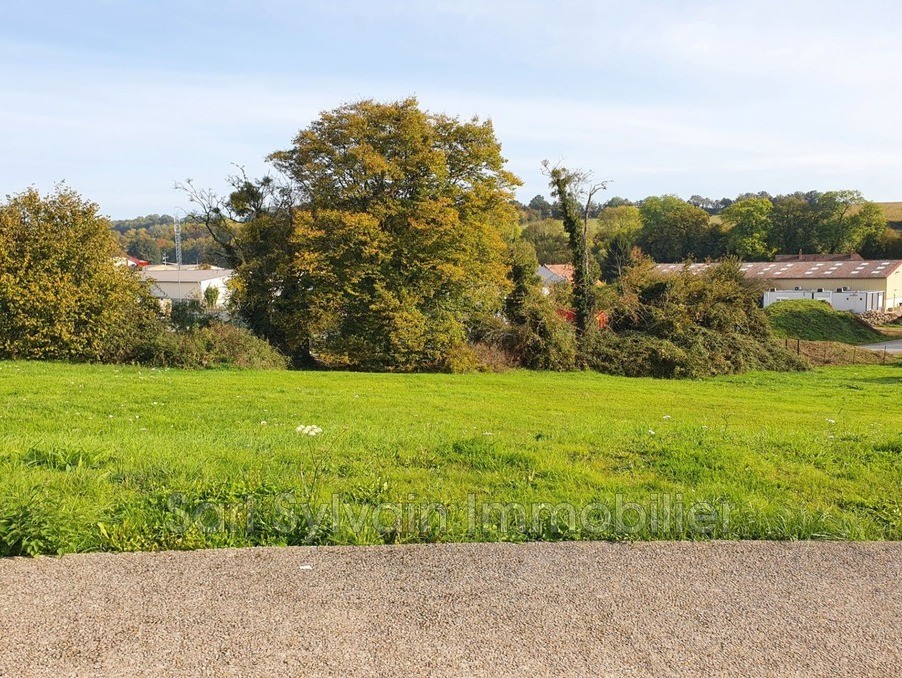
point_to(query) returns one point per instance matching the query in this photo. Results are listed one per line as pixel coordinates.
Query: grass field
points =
(112, 458)
(893, 212)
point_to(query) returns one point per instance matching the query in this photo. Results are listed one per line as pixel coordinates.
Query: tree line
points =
(753, 227)
(389, 238)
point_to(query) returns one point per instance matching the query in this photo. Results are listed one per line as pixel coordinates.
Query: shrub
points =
(62, 294)
(187, 315)
(541, 340)
(687, 326)
(492, 358)
(220, 345)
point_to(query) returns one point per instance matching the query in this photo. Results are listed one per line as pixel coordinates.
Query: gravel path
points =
(894, 346)
(750, 608)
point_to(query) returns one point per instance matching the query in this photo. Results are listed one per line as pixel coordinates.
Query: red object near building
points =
(569, 314)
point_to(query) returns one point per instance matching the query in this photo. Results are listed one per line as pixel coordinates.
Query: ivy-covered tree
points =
(568, 187)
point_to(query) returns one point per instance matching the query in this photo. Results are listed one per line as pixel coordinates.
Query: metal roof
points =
(800, 270)
(548, 275)
(197, 275)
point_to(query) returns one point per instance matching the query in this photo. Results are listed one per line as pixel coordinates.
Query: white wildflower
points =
(263, 423)
(309, 430)
(650, 432)
(666, 417)
(831, 421)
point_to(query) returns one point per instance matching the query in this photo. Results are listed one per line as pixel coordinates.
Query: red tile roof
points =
(563, 270)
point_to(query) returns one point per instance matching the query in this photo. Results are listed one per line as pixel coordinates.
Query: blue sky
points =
(123, 99)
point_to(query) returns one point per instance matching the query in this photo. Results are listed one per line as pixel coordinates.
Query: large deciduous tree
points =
(828, 223)
(846, 220)
(748, 223)
(673, 230)
(62, 294)
(391, 234)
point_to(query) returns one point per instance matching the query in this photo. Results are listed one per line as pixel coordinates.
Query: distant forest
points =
(152, 238)
(752, 226)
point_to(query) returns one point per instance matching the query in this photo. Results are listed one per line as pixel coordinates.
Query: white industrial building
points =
(846, 282)
(187, 284)
(856, 301)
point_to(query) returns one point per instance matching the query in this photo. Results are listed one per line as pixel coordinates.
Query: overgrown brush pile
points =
(687, 325)
(677, 326)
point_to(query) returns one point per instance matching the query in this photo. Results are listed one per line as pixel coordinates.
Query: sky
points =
(121, 100)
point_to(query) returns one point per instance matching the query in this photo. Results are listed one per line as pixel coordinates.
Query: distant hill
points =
(893, 211)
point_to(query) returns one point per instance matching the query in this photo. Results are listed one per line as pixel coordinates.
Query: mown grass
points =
(813, 320)
(115, 458)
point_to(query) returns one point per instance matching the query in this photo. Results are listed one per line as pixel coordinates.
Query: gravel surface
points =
(894, 346)
(749, 608)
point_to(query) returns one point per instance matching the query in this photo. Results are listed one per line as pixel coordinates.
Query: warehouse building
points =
(847, 283)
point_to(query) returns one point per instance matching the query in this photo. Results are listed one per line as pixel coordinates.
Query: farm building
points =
(847, 283)
(554, 274)
(187, 284)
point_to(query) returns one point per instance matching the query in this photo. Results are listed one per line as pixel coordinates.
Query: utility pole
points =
(178, 254)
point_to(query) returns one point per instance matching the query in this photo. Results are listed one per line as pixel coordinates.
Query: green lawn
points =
(114, 458)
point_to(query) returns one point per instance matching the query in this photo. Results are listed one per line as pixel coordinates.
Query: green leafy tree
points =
(62, 294)
(614, 221)
(674, 230)
(748, 225)
(793, 226)
(541, 206)
(550, 241)
(390, 236)
(211, 296)
(143, 246)
(622, 223)
(618, 257)
(825, 223)
(846, 220)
